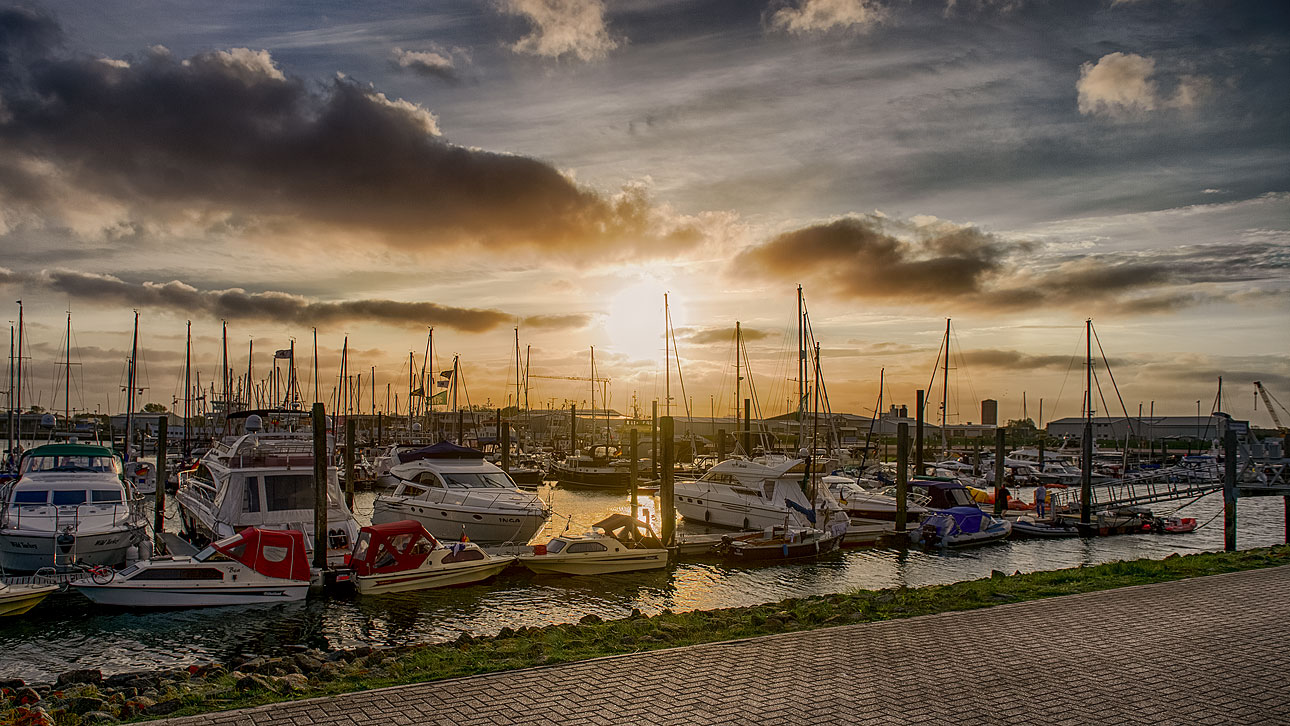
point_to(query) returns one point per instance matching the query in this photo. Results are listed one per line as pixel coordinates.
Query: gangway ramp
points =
(1167, 485)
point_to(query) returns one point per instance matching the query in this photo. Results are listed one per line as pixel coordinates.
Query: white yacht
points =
(252, 567)
(453, 491)
(266, 480)
(385, 460)
(747, 495)
(70, 505)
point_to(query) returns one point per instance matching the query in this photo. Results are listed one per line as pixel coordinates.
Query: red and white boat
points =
(403, 556)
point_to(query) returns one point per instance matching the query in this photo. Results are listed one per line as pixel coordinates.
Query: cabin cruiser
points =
(254, 566)
(262, 479)
(596, 469)
(615, 544)
(453, 491)
(778, 543)
(871, 512)
(403, 556)
(747, 495)
(954, 519)
(387, 458)
(70, 505)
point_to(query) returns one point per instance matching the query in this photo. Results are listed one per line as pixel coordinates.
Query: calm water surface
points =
(67, 631)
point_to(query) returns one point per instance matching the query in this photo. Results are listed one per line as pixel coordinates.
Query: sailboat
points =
(597, 467)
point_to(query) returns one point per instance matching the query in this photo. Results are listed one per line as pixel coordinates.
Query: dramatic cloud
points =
(563, 28)
(557, 322)
(929, 263)
(716, 336)
(1013, 360)
(434, 63)
(815, 16)
(225, 139)
(236, 304)
(1122, 85)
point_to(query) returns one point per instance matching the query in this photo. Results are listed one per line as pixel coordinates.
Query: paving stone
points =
(1208, 650)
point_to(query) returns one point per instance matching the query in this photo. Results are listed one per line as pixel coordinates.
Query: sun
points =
(635, 322)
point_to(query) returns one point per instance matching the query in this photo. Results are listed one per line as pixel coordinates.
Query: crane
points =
(1267, 401)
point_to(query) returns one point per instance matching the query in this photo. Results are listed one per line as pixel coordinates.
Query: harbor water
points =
(67, 631)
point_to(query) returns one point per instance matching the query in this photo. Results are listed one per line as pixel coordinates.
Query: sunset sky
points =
(374, 169)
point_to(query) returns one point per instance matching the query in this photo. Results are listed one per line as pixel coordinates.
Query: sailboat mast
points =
(18, 404)
(517, 370)
(945, 389)
(129, 406)
(411, 368)
(667, 362)
(188, 391)
(801, 369)
(593, 396)
(250, 382)
(225, 374)
(9, 429)
(67, 374)
(1086, 458)
(738, 373)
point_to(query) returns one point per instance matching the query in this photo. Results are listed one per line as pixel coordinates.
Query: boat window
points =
(274, 554)
(413, 490)
(719, 477)
(487, 480)
(960, 498)
(288, 491)
(180, 573)
(385, 558)
(68, 497)
(555, 546)
(400, 542)
(360, 550)
(78, 462)
(427, 479)
(30, 496)
(464, 556)
(105, 495)
(586, 547)
(251, 494)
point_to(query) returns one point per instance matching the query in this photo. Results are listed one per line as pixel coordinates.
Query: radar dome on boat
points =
(254, 423)
(416, 425)
(48, 421)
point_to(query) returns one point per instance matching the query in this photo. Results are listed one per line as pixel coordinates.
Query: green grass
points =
(593, 638)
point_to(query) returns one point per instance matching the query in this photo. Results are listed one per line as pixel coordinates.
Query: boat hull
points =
(30, 551)
(465, 573)
(617, 481)
(18, 599)
(751, 551)
(652, 559)
(447, 522)
(162, 595)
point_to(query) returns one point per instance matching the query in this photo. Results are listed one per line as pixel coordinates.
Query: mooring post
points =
(159, 476)
(1000, 438)
(633, 440)
(504, 436)
(320, 486)
(653, 437)
(902, 477)
(918, 434)
(666, 491)
(380, 429)
(350, 426)
(1229, 490)
(748, 427)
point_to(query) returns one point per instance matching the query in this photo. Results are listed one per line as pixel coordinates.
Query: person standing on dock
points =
(1041, 500)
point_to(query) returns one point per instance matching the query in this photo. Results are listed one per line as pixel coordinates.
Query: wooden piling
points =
(1229, 490)
(504, 439)
(666, 490)
(653, 436)
(350, 426)
(918, 434)
(320, 486)
(902, 477)
(159, 509)
(748, 427)
(1000, 438)
(633, 442)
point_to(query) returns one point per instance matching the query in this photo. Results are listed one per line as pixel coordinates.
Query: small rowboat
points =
(1176, 525)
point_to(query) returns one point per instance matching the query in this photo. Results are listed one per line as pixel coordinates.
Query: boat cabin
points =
(397, 546)
(271, 552)
(943, 493)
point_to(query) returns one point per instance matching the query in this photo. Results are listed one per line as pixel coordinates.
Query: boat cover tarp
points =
(270, 552)
(441, 450)
(391, 547)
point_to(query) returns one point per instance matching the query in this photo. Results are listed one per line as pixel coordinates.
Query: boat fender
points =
(707, 515)
(745, 523)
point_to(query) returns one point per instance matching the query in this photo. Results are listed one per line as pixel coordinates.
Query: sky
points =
(374, 170)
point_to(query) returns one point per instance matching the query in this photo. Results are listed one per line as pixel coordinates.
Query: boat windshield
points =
(959, 498)
(485, 480)
(554, 546)
(78, 462)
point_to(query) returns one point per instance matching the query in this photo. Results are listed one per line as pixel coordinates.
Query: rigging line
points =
(932, 381)
(1107, 363)
(752, 385)
(1100, 394)
(962, 366)
(1066, 377)
(680, 378)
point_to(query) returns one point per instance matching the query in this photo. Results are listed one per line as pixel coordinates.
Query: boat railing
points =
(66, 515)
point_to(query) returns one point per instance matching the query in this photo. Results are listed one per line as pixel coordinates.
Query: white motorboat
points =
(254, 566)
(598, 469)
(70, 505)
(615, 544)
(387, 459)
(748, 495)
(451, 490)
(403, 556)
(18, 598)
(262, 479)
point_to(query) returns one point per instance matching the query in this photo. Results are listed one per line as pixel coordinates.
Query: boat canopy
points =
(619, 526)
(270, 552)
(391, 547)
(944, 493)
(441, 450)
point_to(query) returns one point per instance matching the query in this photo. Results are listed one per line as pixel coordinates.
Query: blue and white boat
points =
(953, 518)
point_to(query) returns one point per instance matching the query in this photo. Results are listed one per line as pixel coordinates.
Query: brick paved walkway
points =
(1213, 650)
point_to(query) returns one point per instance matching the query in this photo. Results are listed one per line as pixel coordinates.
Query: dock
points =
(1206, 650)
